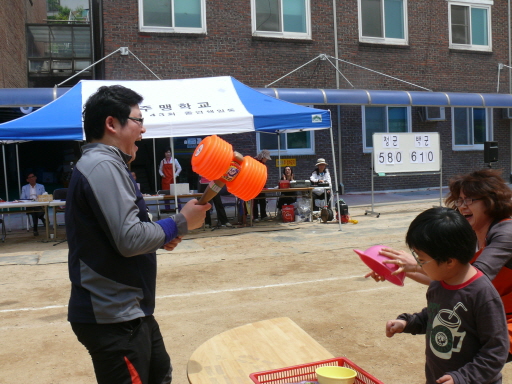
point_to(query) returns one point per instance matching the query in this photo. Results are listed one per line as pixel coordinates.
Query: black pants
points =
(124, 352)
(36, 216)
(324, 196)
(261, 203)
(286, 199)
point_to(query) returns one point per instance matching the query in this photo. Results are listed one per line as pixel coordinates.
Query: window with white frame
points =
(281, 18)
(295, 143)
(384, 119)
(471, 127)
(470, 24)
(181, 16)
(383, 21)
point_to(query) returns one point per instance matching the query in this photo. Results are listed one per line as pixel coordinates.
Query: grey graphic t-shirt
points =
(466, 331)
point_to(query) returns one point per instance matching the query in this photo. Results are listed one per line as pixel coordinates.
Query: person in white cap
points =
(260, 203)
(320, 175)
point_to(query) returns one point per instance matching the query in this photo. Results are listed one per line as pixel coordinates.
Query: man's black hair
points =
(115, 101)
(442, 233)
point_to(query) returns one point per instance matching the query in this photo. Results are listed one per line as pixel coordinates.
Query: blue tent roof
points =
(59, 120)
(272, 116)
(29, 97)
(216, 105)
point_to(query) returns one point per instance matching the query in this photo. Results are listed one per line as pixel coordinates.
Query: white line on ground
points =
(188, 294)
(32, 309)
(261, 287)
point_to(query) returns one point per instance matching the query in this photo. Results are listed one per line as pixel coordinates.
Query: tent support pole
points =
(335, 178)
(6, 184)
(18, 172)
(171, 139)
(5, 174)
(340, 161)
(18, 168)
(155, 167)
(279, 155)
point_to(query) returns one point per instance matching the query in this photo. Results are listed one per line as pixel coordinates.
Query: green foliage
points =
(63, 12)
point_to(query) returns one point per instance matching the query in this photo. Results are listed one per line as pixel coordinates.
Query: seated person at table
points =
(286, 198)
(464, 321)
(320, 175)
(222, 218)
(30, 191)
(260, 202)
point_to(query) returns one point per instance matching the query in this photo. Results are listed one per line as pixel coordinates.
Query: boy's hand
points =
(375, 276)
(395, 326)
(446, 379)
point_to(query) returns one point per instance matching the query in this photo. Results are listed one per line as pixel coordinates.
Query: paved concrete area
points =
(393, 197)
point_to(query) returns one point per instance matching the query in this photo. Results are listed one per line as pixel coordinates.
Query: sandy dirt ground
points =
(218, 280)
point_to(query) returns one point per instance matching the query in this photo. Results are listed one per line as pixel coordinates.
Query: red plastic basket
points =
(303, 372)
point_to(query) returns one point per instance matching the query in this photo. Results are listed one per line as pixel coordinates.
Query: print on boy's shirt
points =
(445, 337)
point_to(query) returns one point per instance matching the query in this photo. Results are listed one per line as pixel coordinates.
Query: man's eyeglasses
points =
(139, 120)
(420, 263)
(31, 177)
(468, 201)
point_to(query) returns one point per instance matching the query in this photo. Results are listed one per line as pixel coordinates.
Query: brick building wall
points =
(13, 49)
(357, 165)
(228, 48)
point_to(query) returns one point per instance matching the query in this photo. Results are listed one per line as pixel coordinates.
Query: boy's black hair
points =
(442, 233)
(115, 101)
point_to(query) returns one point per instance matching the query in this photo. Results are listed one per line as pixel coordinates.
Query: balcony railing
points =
(58, 50)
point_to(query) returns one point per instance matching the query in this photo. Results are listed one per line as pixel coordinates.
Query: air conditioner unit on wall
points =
(432, 114)
(507, 113)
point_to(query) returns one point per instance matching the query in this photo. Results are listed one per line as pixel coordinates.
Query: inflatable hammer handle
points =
(215, 186)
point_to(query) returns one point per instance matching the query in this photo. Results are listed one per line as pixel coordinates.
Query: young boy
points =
(464, 321)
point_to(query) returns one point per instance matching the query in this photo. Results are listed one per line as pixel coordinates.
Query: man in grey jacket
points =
(112, 246)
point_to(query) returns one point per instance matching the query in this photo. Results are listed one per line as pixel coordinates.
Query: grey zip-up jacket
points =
(112, 243)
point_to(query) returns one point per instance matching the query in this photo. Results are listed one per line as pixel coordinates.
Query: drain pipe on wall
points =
(338, 110)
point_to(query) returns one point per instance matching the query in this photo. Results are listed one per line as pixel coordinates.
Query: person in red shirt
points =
(169, 170)
(169, 167)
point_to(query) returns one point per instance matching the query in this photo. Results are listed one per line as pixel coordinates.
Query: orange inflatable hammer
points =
(215, 159)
